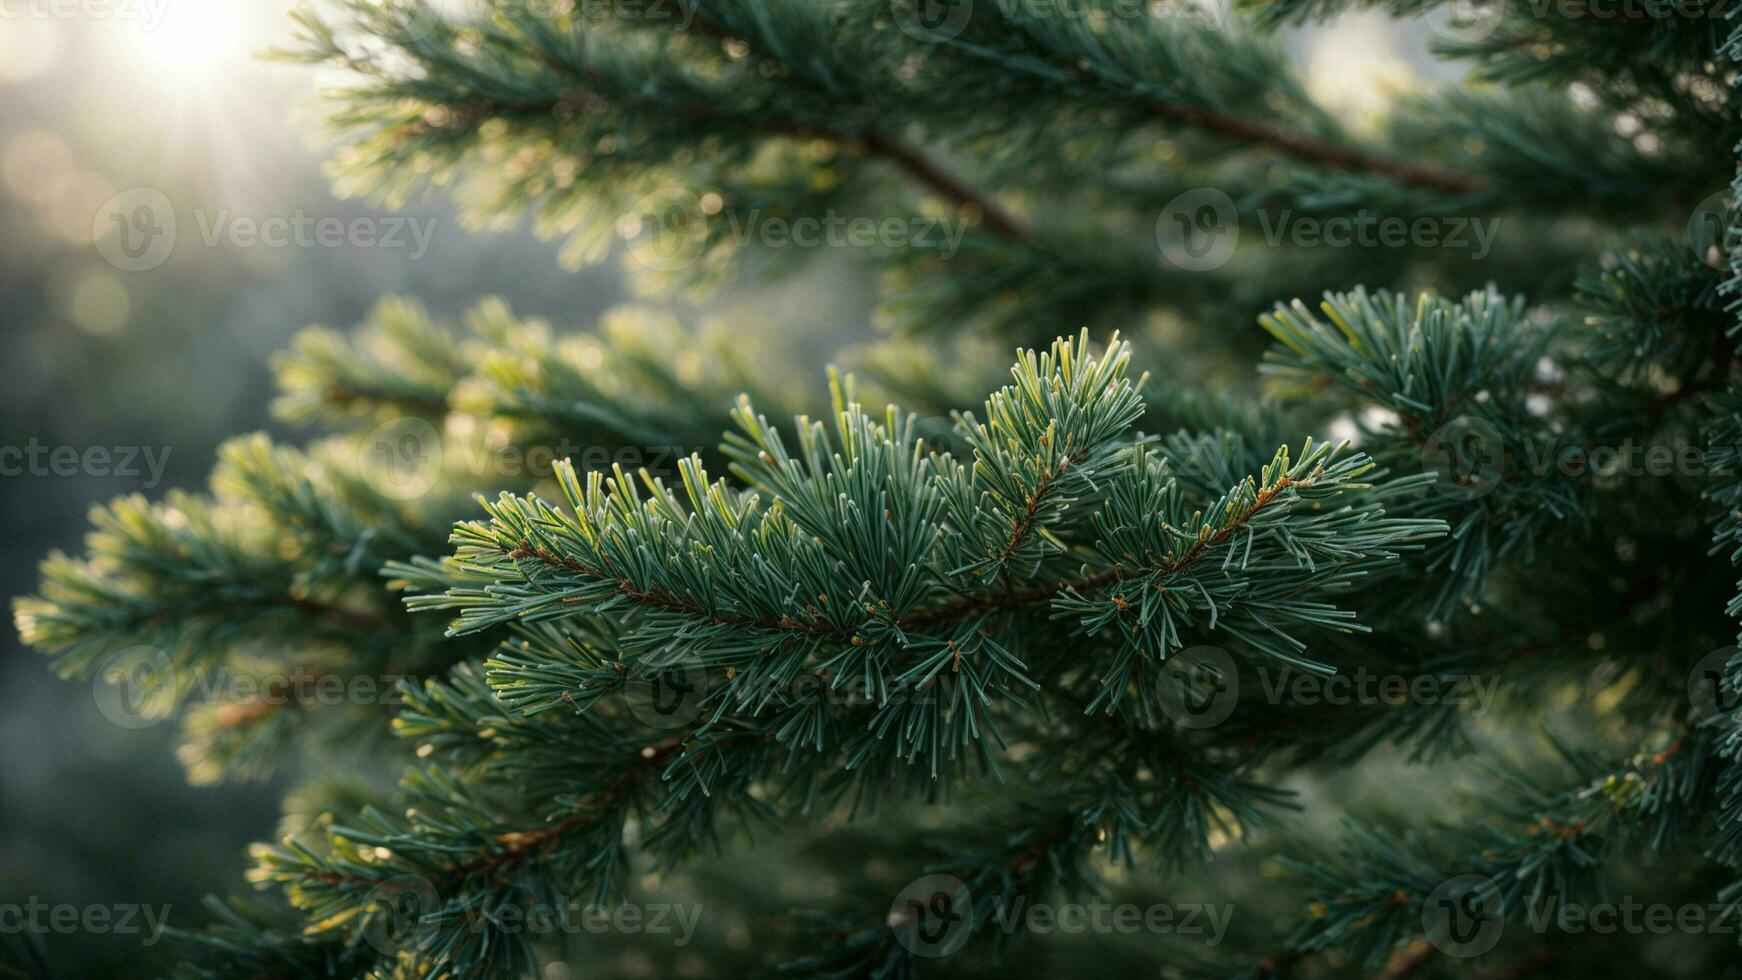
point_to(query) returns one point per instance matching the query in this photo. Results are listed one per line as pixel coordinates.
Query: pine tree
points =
(864, 682)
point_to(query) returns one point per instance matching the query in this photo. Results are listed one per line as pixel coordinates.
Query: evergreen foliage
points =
(1061, 641)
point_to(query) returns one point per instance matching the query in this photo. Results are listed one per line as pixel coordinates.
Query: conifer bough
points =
(871, 687)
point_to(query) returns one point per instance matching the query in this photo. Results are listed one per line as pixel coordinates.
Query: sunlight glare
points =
(194, 35)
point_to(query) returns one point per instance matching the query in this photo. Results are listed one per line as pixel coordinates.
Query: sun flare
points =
(193, 35)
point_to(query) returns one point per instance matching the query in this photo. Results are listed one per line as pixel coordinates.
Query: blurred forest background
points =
(169, 95)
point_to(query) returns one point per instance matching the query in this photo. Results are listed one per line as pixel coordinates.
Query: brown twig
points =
(948, 186)
(1315, 150)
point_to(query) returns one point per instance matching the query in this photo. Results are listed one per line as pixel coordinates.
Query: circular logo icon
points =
(402, 459)
(421, 19)
(1464, 916)
(1707, 229)
(938, 432)
(1465, 21)
(1468, 456)
(136, 687)
(932, 21)
(670, 698)
(396, 914)
(665, 230)
(134, 231)
(1209, 14)
(1200, 687)
(1709, 685)
(1198, 230)
(932, 916)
